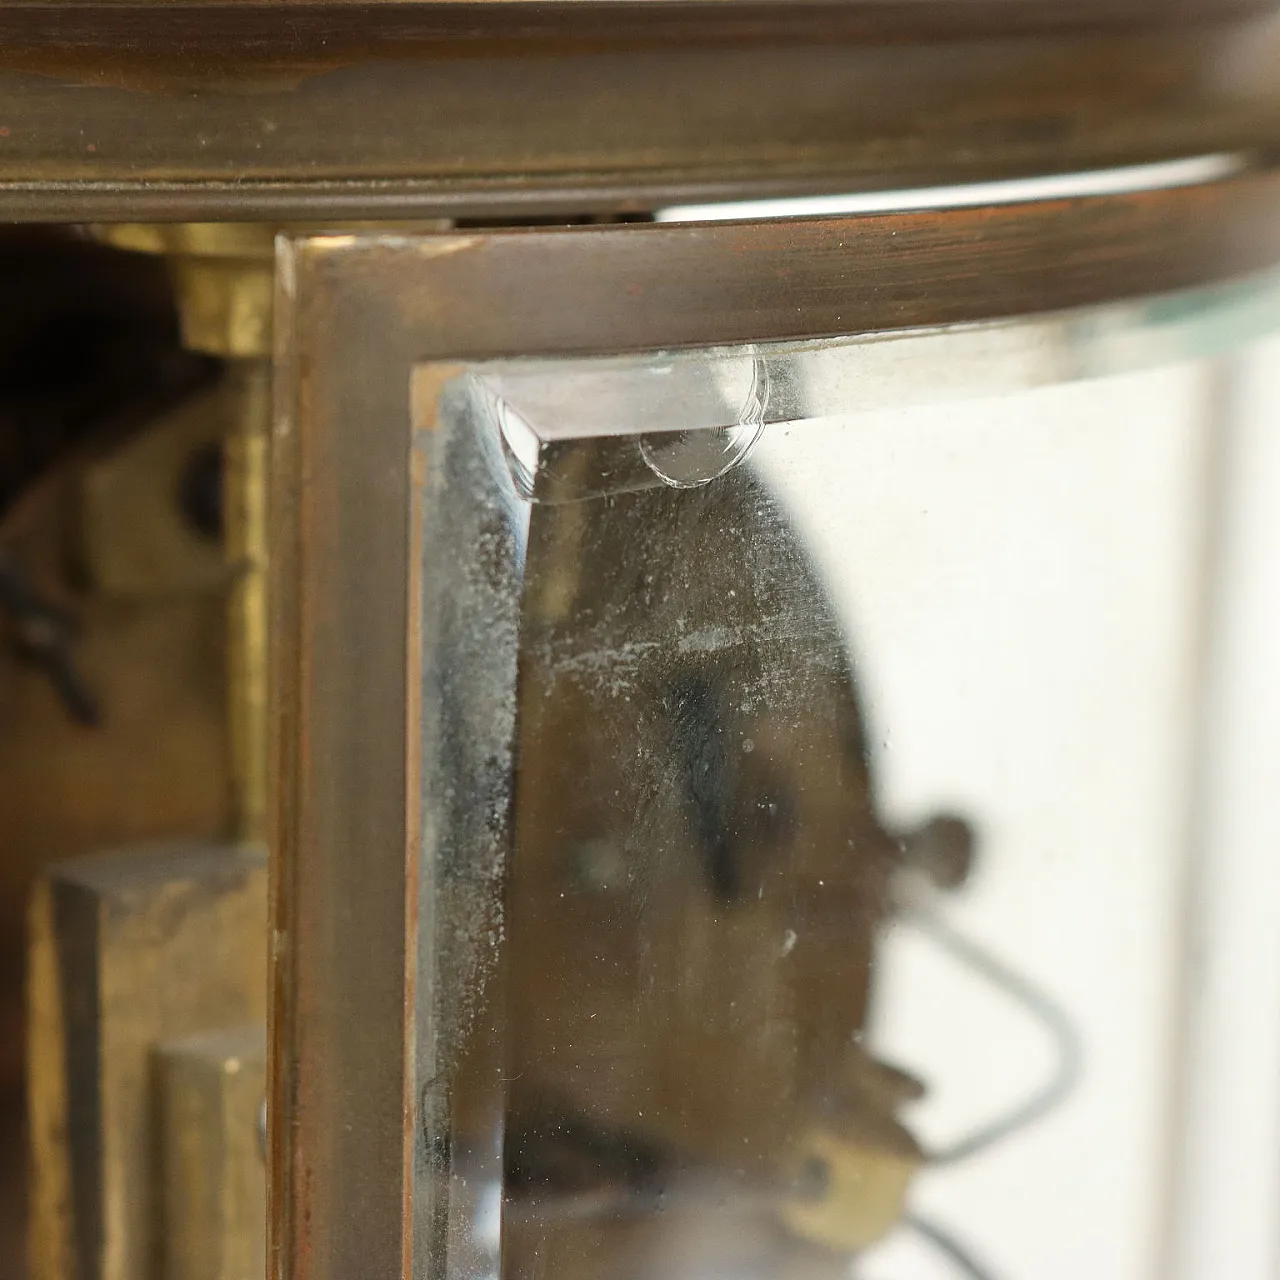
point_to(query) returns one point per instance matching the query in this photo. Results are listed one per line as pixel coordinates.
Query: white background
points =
(1024, 584)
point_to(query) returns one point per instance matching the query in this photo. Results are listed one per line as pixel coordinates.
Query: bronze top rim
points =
(191, 112)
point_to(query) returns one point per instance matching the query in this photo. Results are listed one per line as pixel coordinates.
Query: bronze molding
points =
(275, 113)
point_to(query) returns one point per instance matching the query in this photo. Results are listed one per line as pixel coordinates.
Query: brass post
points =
(213, 1175)
(245, 538)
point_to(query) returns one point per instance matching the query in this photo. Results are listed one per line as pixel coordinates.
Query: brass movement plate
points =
(128, 951)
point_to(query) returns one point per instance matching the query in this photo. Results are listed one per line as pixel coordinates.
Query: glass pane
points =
(842, 823)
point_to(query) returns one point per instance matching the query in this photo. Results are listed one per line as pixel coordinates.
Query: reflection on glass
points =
(823, 836)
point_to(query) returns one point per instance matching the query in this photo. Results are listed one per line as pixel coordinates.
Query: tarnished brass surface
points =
(225, 304)
(128, 951)
(156, 766)
(135, 539)
(853, 1171)
(232, 242)
(881, 18)
(155, 653)
(222, 276)
(280, 112)
(866, 1191)
(245, 523)
(212, 1167)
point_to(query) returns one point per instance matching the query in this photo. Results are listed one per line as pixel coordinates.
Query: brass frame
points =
(357, 315)
(191, 111)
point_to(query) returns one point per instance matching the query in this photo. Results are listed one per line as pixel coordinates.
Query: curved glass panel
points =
(849, 846)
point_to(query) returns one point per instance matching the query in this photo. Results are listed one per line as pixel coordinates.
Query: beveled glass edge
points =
(555, 399)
